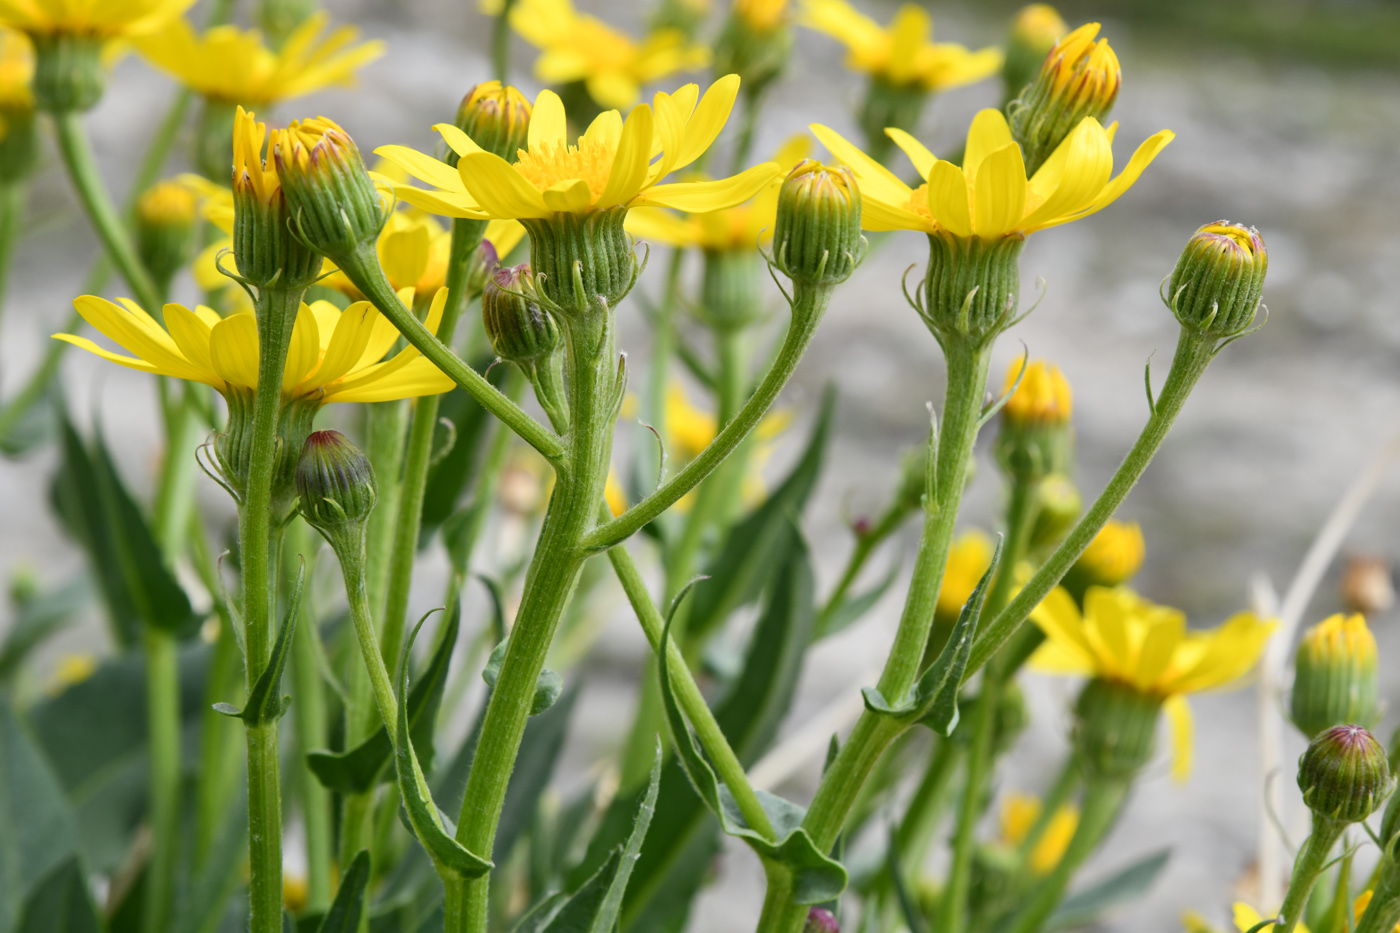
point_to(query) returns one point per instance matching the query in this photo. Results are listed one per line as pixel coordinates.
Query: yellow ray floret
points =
(1019, 814)
(236, 66)
(612, 65)
(616, 163)
(106, 19)
(335, 356)
(902, 54)
(16, 70)
(1124, 638)
(989, 195)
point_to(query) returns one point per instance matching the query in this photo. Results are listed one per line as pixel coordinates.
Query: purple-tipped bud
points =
(1219, 280)
(1344, 774)
(520, 330)
(820, 920)
(336, 485)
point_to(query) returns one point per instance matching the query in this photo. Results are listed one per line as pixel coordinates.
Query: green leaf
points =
(32, 424)
(349, 903)
(934, 700)
(816, 878)
(547, 689)
(266, 704)
(38, 830)
(539, 752)
(448, 855)
(595, 906)
(359, 769)
(212, 884)
(61, 904)
(1126, 886)
(38, 618)
(754, 548)
(907, 908)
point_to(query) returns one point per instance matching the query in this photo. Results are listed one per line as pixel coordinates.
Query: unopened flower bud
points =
(333, 203)
(1058, 504)
(496, 117)
(729, 290)
(684, 16)
(1219, 279)
(1079, 78)
(1034, 32)
(1344, 774)
(1112, 558)
(68, 72)
(754, 44)
(817, 236)
(1367, 586)
(821, 920)
(520, 330)
(165, 215)
(336, 484)
(264, 248)
(1036, 438)
(1335, 679)
(1115, 727)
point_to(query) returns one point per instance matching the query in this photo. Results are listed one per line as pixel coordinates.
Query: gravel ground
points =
(1277, 428)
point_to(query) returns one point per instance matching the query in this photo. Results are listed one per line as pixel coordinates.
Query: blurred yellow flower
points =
(611, 165)
(968, 560)
(736, 228)
(614, 495)
(1038, 25)
(612, 65)
(1114, 556)
(903, 53)
(335, 356)
(71, 669)
(990, 196)
(1247, 918)
(1043, 396)
(294, 892)
(1124, 638)
(167, 203)
(1359, 906)
(102, 19)
(236, 66)
(761, 15)
(1019, 813)
(16, 70)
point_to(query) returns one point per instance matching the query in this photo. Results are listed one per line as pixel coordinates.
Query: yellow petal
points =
(1183, 730)
(548, 124)
(947, 198)
(988, 133)
(1052, 657)
(660, 226)
(458, 141)
(670, 130)
(917, 152)
(434, 315)
(418, 377)
(403, 254)
(304, 351)
(1074, 175)
(700, 196)
(1230, 652)
(349, 341)
(606, 129)
(191, 335)
(1159, 649)
(421, 165)
(233, 347)
(908, 33)
(630, 164)
(614, 89)
(876, 182)
(137, 333)
(501, 191)
(1107, 619)
(442, 203)
(999, 193)
(704, 125)
(1059, 618)
(1246, 917)
(130, 362)
(572, 196)
(877, 215)
(1140, 160)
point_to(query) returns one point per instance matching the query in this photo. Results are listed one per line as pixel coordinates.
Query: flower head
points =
(989, 196)
(1020, 813)
(1113, 557)
(335, 205)
(236, 66)
(104, 19)
(335, 356)
(1043, 396)
(1218, 282)
(1124, 639)
(901, 54)
(968, 560)
(1335, 675)
(496, 117)
(612, 65)
(611, 165)
(761, 15)
(1038, 25)
(1344, 774)
(1079, 78)
(817, 235)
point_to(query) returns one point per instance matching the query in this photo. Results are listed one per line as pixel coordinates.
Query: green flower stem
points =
(1307, 869)
(589, 338)
(353, 569)
(82, 170)
(809, 304)
(362, 268)
(663, 347)
(500, 42)
(1055, 797)
(466, 237)
(163, 724)
(309, 719)
(1193, 354)
(1103, 800)
(689, 697)
(865, 545)
(276, 312)
(385, 439)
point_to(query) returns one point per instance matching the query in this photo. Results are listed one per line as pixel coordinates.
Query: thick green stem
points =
(1307, 869)
(388, 428)
(163, 724)
(500, 42)
(1103, 799)
(1193, 354)
(82, 171)
(353, 570)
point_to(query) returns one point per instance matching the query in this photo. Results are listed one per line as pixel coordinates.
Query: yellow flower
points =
(1019, 813)
(1044, 395)
(614, 494)
(990, 196)
(16, 70)
(968, 560)
(734, 229)
(901, 54)
(167, 203)
(761, 15)
(1080, 69)
(1122, 637)
(236, 66)
(1114, 555)
(71, 669)
(1038, 25)
(1247, 918)
(611, 165)
(1339, 636)
(612, 65)
(335, 355)
(294, 892)
(103, 19)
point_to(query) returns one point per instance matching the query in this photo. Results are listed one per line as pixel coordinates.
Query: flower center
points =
(545, 165)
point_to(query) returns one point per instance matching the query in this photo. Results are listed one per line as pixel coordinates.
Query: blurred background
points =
(1287, 116)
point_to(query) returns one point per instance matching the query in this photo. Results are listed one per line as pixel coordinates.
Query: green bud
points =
(754, 44)
(1115, 727)
(1218, 282)
(972, 285)
(1344, 774)
(496, 117)
(1079, 79)
(817, 236)
(334, 205)
(520, 330)
(68, 73)
(264, 247)
(1058, 506)
(336, 484)
(683, 16)
(729, 290)
(19, 143)
(165, 216)
(1335, 679)
(1035, 438)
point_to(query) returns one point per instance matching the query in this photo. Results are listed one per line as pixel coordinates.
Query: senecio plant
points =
(177, 787)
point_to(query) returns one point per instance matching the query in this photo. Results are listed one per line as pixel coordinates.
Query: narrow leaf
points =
(266, 704)
(349, 903)
(937, 693)
(1128, 885)
(838, 618)
(61, 903)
